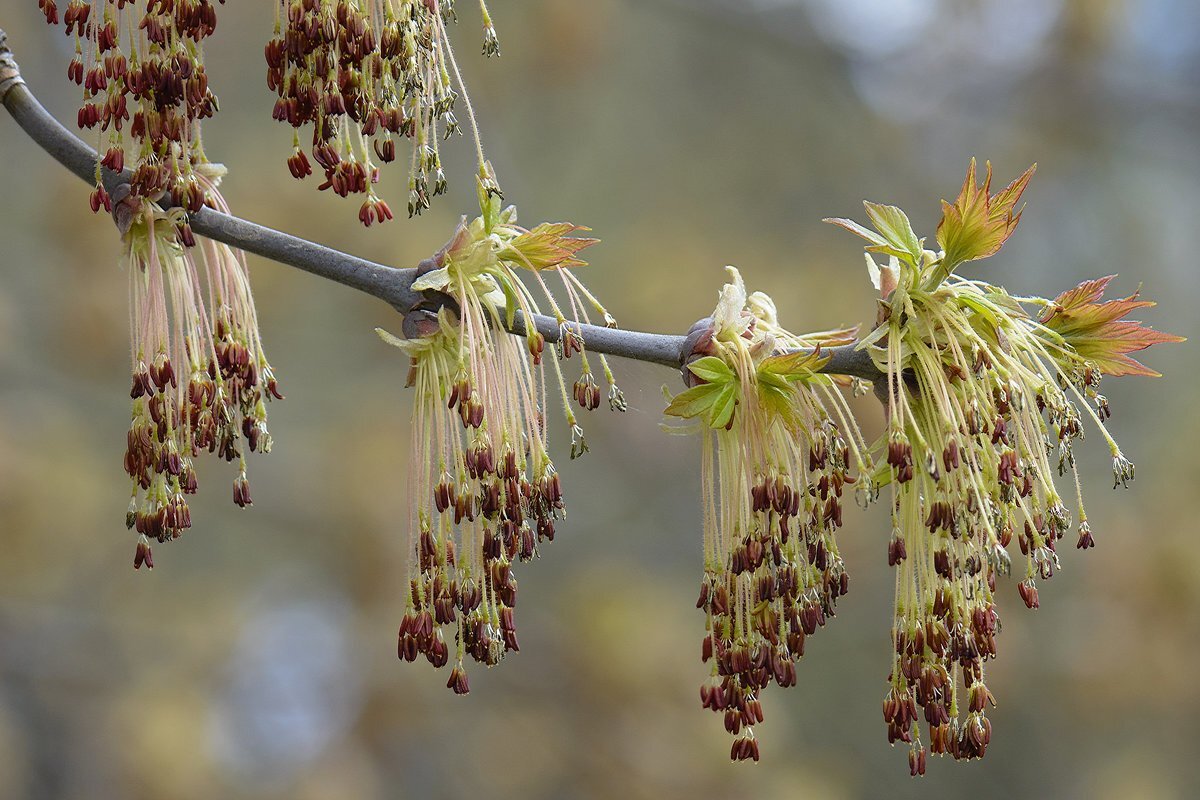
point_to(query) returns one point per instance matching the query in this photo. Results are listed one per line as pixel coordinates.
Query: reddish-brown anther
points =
(143, 555)
(458, 680)
(50, 10)
(570, 342)
(89, 115)
(916, 762)
(241, 492)
(899, 453)
(1085, 536)
(407, 648)
(187, 480)
(75, 70)
(508, 630)
(100, 199)
(941, 564)
(114, 159)
(437, 653)
(1028, 592)
(980, 697)
(422, 627)
(385, 149)
(428, 544)
(720, 599)
(744, 749)
(784, 671)
(527, 546)
(469, 596)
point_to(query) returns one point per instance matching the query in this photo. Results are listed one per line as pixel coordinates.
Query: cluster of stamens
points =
(484, 490)
(362, 74)
(971, 435)
(487, 503)
(985, 402)
(773, 481)
(200, 378)
(141, 66)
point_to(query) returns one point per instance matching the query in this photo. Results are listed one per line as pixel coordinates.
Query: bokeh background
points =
(258, 659)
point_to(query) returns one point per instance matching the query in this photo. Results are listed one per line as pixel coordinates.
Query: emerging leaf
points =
(1097, 331)
(722, 409)
(712, 370)
(701, 401)
(895, 235)
(977, 224)
(550, 245)
(858, 230)
(793, 366)
(438, 279)
(893, 225)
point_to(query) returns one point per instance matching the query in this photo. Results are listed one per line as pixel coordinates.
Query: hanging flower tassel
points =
(145, 91)
(200, 378)
(485, 493)
(779, 445)
(984, 403)
(362, 74)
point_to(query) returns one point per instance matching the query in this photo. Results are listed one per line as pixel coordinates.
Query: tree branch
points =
(392, 285)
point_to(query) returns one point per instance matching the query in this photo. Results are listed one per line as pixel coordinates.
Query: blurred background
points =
(258, 659)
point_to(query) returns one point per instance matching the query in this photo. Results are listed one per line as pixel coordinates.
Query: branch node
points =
(10, 73)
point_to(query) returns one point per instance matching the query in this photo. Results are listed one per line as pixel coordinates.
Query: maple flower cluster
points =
(779, 447)
(145, 90)
(984, 402)
(362, 74)
(200, 378)
(986, 393)
(484, 491)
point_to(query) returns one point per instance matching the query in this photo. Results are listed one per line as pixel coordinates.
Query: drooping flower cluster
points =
(984, 402)
(779, 445)
(141, 65)
(200, 377)
(364, 73)
(483, 488)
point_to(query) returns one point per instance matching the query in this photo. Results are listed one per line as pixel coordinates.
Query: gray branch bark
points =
(392, 285)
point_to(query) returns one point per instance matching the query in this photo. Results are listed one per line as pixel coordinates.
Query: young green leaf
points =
(794, 366)
(977, 224)
(721, 413)
(893, 225)
(694, 402)
(711, 369)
